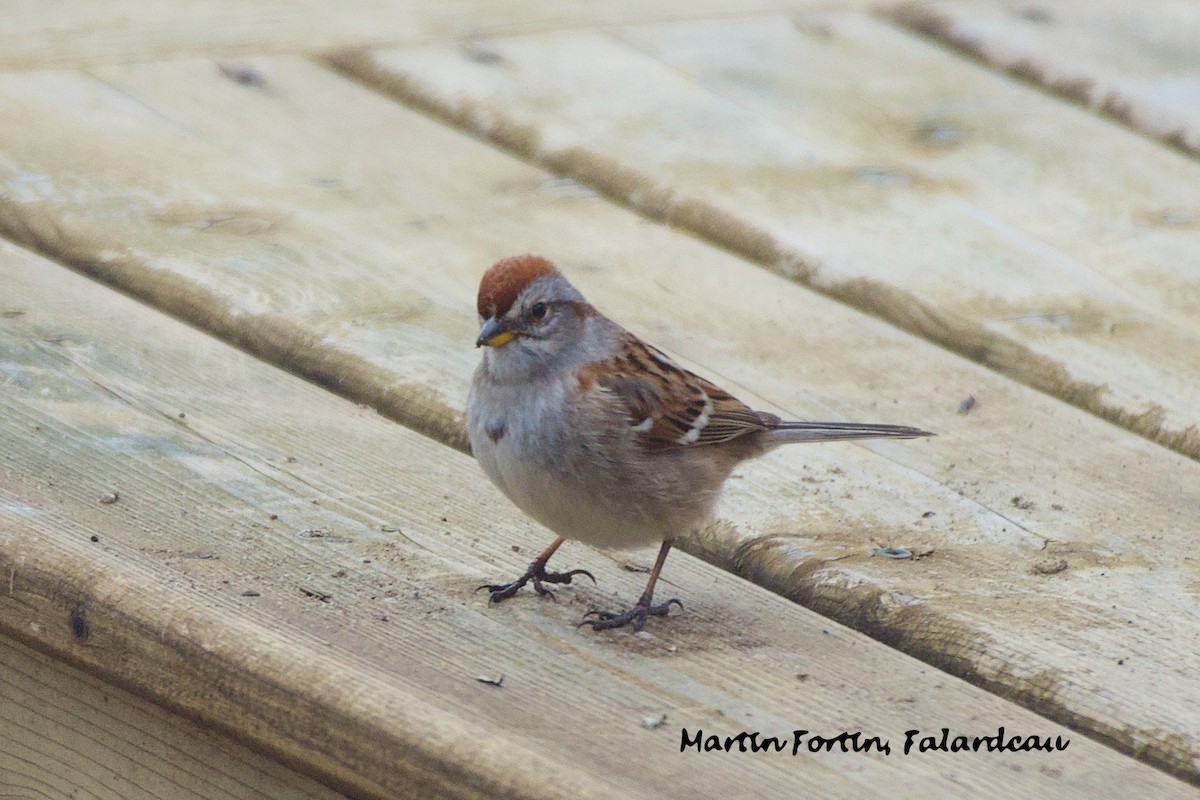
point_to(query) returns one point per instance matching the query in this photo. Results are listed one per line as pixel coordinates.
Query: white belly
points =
(575, 493)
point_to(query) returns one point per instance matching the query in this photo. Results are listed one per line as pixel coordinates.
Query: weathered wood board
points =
(65, 734)
(340, 235)
(1133, 62)
(35, 33)
(1001, 223)
(300, 571)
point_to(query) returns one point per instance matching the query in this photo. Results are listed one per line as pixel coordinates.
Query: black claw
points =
(565, 577)
(503, 591)
(634, 617)
(666, 607)
(538, 575)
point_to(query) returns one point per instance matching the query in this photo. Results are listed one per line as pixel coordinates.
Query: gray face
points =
(540, 334)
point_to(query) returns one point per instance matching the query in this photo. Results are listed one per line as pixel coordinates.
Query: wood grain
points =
(1032, 237)
(299, 572)
(1132, 62)
(330, 231)
(76, 32)
(66, 734)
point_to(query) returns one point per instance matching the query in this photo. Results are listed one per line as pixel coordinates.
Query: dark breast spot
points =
(494, 431)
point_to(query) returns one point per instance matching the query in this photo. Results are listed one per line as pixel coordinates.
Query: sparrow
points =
(600, 437)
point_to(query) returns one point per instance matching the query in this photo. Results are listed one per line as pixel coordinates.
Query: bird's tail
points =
(786, 432)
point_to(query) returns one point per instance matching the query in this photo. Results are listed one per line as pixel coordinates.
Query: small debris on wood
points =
(272, 517)
(893, 552)
(802, 676)
(940, 133)
(888, 176)
(516, 548)
(251, 593)
(1022, 503)
(567, 188)
(929, 514)
(1035, 14)
(79, 626)
(316, 594)
(95, 538)
(321, 533)
(1057, 506)
(390, 529)
(497, 682)
(110, 497)
(635, 568)
(480, 53)
(654, 721)
(1175, 217)
(242, 76)
(341, 573)
(966, 405)
(1049, 566)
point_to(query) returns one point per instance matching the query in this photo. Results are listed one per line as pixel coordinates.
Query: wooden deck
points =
(240, 246)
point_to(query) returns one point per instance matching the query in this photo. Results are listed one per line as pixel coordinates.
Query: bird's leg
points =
(636, 616)
(536, 573)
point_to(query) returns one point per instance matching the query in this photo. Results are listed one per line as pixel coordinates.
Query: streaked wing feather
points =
(668, 406)
(683, 408)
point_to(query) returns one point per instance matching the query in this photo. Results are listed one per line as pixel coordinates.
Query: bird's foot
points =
(536, 573)
(634, 617)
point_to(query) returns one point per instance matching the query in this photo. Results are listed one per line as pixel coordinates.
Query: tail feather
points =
(786, 432)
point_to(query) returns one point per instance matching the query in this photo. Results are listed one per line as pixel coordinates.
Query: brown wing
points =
(668, 405)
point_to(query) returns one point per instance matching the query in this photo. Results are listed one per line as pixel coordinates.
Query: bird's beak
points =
(495, 333)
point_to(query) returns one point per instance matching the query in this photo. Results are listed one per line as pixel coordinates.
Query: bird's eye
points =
(538, 311)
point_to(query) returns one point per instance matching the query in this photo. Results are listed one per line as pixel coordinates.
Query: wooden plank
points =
(357, 655)
(73, 32)
(1133, 62)
(326, 229)
(65, 734)
(889, 174)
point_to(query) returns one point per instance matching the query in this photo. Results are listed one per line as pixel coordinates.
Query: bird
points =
(601, 437)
